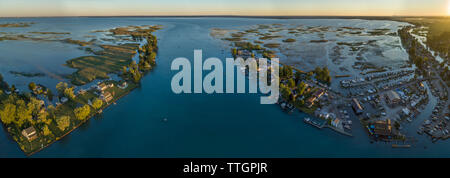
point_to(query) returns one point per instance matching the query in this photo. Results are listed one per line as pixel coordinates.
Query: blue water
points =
(200, 125)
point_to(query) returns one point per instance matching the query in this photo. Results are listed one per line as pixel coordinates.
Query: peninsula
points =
(35, 121)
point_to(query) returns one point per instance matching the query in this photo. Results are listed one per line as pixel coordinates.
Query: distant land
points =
(243, 16)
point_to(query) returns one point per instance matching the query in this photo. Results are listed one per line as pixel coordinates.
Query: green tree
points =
(63, 122)
(61, 87)
(13, 88)
(50, 94)
(297, 76)
(3, 84)
(82, 112)
(34, 106)
(136, 76)
(68, 92)
(291, 83)
(23, 113)
(124, 70)
(234, 51)
(97, 103)
(299, 103)
(8, 113)
(43, 118)
(285, 92)
(32, 86)
(286, 72)
(301, 88)
(46, 131)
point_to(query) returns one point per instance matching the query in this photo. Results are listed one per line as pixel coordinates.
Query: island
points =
(35, 122)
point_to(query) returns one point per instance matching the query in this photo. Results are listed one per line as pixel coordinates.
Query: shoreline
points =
(76, 127)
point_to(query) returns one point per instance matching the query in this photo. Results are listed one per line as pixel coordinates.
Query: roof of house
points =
(102, 86)
(29, 131)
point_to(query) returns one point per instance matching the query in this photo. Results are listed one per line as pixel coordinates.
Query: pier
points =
(325, 125)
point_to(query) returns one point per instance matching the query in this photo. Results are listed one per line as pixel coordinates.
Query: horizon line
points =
(243, 16)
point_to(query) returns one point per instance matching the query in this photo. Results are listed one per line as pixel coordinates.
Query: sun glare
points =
(448, 8)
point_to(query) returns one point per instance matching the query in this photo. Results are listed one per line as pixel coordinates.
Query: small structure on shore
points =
(107, 97)
(104, 86)
(29, 133)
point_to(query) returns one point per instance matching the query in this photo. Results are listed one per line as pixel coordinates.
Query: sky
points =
(27, 8)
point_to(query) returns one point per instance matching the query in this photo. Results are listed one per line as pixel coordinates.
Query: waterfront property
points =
(29, 133)
(315, 96)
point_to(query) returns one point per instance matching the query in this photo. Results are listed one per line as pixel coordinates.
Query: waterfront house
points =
(310, 101)
(102, 87)
(107, 97)
(316, 95)
(29, 133)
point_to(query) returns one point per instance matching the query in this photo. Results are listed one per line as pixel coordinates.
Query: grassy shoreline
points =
(84, 121)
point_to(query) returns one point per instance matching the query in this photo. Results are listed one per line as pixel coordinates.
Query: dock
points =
(313, 123)
(339, 131)
(401, 146)
(324, 125)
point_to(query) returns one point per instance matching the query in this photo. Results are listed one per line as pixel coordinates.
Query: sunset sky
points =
(20, 8)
